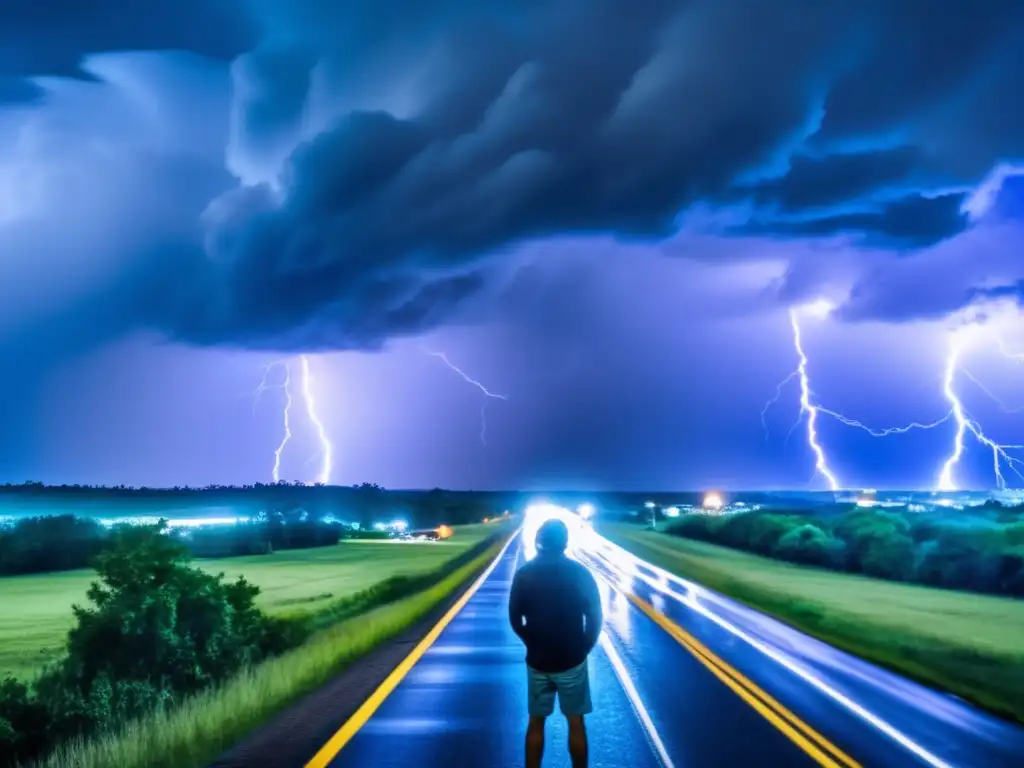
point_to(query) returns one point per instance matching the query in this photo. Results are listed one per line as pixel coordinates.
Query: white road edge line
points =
(692, 601)
(635, 700)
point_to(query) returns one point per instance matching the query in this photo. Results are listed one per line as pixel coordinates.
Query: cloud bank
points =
(385, 157)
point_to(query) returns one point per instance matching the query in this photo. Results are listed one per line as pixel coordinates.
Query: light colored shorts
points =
(572, 688)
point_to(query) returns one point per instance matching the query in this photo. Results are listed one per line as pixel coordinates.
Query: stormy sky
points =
(602, 211)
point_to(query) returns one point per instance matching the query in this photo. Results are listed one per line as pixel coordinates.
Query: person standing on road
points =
(555, 609)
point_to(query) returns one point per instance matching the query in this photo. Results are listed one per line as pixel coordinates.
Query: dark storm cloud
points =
(910, 222)
(825, 119)
(833, 180)
(51, 37)
(271, 86)
(407, 147)
(981, 264)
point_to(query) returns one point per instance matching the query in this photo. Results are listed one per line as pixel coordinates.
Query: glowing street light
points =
(672, 512)
(586, 511)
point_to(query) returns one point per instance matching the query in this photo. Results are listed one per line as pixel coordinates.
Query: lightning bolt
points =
(1015, 357)
(1008, 409)
(811, 411)
(326, 452)
(469, 380)
(775, 399)
(808, 409)
(326, 449)
(285, 385)
(965, 423)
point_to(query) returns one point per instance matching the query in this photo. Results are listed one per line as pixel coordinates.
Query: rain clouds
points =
(385, 159)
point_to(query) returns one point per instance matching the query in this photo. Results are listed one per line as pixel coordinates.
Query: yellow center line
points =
(820, 749)
(351, 727)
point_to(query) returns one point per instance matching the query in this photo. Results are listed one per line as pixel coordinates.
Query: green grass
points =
(208, 724)
(968, 644)
(35, 611)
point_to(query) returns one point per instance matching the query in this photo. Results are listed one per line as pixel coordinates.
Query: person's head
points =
(553, 537)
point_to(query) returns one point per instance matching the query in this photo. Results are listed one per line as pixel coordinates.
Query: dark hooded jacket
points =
(555, 608)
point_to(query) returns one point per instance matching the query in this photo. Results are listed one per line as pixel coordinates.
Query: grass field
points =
(969, 644)
(207, 724)
(35, 611)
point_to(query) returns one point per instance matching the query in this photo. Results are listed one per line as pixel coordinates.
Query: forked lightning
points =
(811, 411)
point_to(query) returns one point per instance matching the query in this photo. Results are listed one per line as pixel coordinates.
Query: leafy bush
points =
(885, 554)
(156, 630)
(810, 545)
(23, 723)
(759, 533)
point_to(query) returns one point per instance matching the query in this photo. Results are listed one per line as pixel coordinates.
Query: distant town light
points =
(672, 512)
(650, 504)
(586, 510)
(713, 500)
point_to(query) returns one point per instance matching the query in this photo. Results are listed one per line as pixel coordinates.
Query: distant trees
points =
(978, 550)
(810, 545)
(54, 543)
(66, 542)
(281, 516)
(364, 503)
(229, 540)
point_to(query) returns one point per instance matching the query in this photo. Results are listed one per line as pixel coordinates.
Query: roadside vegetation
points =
(35, 610)
(204, 726)
(162, 644)
(979, 549)
(966, 644)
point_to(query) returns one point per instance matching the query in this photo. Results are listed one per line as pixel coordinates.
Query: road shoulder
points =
(294, 736)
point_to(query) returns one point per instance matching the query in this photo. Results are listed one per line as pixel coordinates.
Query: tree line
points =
(301, 518)
(364, 503)
(980, 550)
(66, 542)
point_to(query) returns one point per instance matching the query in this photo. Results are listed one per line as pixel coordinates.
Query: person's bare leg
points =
(577, 741)
(535, 742)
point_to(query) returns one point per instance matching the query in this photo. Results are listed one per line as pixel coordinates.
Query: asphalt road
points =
(679, 679)
(872, 715)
